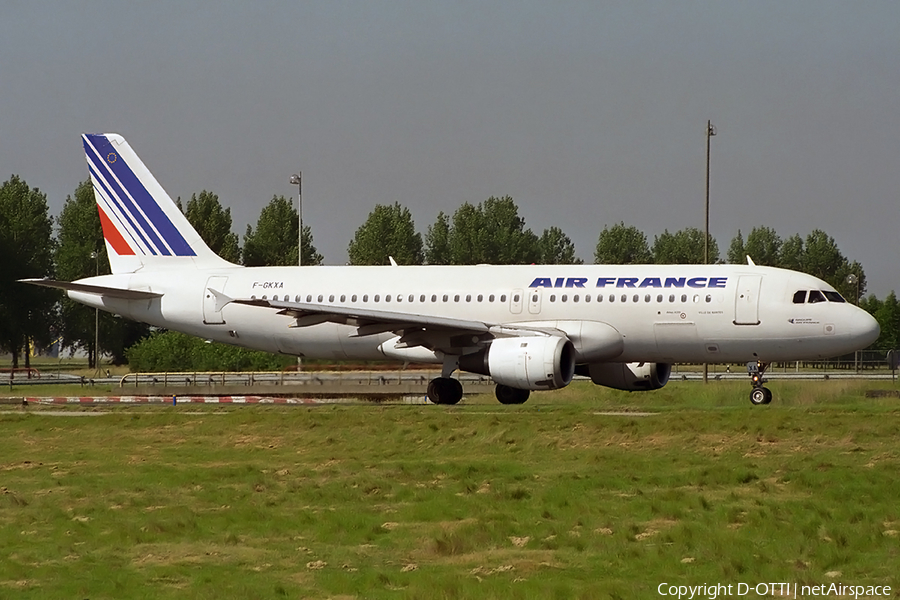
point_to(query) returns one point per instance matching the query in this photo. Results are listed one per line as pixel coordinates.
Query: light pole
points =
(710, 131)
(96, 257)
(296, 180)
(852, 279)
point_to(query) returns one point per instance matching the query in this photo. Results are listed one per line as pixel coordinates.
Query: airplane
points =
(528, 327)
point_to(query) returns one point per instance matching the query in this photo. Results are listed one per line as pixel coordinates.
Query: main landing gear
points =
(447, 390)
(444, 390)
(759, 394)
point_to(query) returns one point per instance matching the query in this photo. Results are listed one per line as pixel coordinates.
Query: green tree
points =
(823, 259)
(853, 292)
(80, 253)
(792, 253)
(389, 231)
(506, 240)
(887, 313)
(736, 254)
(557, 248)
(888, 317)
(437, 241)
(622, 245)
(764, 246)
(491, 233)
(27, 313)
(274, 241)
(467, 234)
(213, 223)
(683, 247)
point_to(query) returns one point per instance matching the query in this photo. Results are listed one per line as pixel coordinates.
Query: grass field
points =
(552, 499)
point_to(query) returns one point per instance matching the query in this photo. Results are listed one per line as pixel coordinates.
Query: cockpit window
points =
(816, 296)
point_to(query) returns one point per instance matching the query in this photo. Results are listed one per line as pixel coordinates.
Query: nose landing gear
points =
(759, 394)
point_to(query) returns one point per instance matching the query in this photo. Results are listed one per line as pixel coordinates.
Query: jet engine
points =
(525, 363)
(630, 377)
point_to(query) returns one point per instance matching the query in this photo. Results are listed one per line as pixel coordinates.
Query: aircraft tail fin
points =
(142, 226)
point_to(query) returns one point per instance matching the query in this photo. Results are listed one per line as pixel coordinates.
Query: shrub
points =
(174, 351)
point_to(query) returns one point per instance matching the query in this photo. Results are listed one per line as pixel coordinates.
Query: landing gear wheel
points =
(759, 396)
(444, 390)
(511, 395)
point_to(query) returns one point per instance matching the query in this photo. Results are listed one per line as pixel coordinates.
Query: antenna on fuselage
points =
(750, 261)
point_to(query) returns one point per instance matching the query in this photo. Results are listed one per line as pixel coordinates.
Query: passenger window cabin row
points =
(422, 298)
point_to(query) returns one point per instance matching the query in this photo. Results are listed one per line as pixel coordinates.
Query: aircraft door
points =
(211, 316)
(534, 301)
(515, 302)
(746, 300)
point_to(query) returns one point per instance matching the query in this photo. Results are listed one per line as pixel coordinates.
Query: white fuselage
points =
(664, 313)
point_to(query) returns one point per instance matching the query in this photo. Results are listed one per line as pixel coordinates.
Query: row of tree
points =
(488, 232)
(493, 232)
(26, 250)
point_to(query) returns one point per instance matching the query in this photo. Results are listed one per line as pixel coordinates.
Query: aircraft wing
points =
(373, 321)
(100, 290)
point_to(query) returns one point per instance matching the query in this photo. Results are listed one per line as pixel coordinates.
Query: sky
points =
(586, 113)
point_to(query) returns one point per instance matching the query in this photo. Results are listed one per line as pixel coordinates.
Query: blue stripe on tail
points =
(124, 202)
(105, 192)
(115, 165)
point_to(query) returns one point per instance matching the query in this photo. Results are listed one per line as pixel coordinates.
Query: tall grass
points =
(553, 499)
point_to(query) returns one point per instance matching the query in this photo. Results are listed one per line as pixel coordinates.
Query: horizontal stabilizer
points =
(94, 289)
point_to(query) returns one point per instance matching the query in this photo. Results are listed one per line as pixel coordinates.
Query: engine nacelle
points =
(630, 376)
(525, 363)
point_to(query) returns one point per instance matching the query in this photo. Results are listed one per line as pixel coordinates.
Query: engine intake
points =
(526, 363)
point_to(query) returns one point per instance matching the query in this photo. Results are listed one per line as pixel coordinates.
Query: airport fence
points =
(867, 365)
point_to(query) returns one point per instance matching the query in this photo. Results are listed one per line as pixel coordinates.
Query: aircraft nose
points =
(864, 327)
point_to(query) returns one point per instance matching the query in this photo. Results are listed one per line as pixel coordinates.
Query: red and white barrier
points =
(88, 400)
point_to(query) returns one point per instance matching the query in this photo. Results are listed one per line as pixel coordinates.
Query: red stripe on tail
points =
(113, 236)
